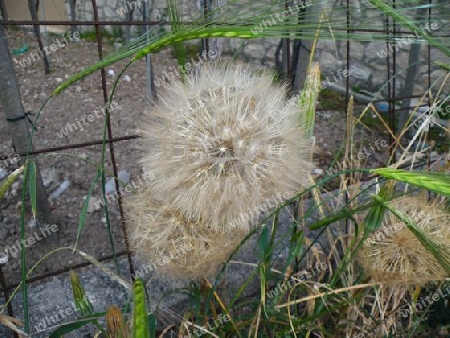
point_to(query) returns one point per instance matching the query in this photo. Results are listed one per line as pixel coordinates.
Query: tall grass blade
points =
(435, 181)
(70, 327)
(32, 185)
(375, 216)
(308, 99)
(85, 208)
(82, 302)
(398, 17)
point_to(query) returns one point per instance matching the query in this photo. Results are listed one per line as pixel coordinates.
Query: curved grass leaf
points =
(375, 216)
(442, 65)
(81, 300)
(174, 11)
(31, 171)
(308, 98)
(434, 181)
(152, 324)
(410, 24)
(70, 327)
(85, 207)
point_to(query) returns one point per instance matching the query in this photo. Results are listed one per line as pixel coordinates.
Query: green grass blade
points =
(263, 242)
(140, 321)
(152, 324)
(174, 11)
(375, 216)
(82, 302)
(442, 65)
(67, 328)
(82, 221)
(433, 181)
(308, 99)
(337, 216)
(32, 185)
(23, 264)
(408, 23)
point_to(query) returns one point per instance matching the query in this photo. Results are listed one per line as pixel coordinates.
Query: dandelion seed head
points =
(395, 255)
(180, 250)
(222, 143)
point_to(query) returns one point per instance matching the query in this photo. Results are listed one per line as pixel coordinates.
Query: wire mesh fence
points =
(396, 98)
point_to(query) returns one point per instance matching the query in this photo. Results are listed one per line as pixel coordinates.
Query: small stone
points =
(3, 259)
(94, 205)
(32, 223)
(3, 173)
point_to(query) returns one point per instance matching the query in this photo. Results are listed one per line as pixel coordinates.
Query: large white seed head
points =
(223, 143)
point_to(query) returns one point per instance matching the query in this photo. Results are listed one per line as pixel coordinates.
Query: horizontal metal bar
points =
(74, 146)
(66, 269)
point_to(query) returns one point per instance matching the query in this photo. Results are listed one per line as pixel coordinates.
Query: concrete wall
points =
(48, 10)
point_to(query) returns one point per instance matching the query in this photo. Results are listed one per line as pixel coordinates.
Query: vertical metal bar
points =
(286, 63)
(429, 80)
(45, 26)
(110, 136)
(392, 102)
(388, 70)
(73, 14)
(347, 100)
(347, 81)
(429, 53)
(148, 56)
(205, 16)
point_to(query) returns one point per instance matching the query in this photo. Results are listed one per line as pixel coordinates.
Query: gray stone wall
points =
(117, 9)
(368, 68)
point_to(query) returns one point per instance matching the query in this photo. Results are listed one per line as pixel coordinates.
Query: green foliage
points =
(329, 98)
(14, 28)
(116, 32)
(108, 37)
(140, 320)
